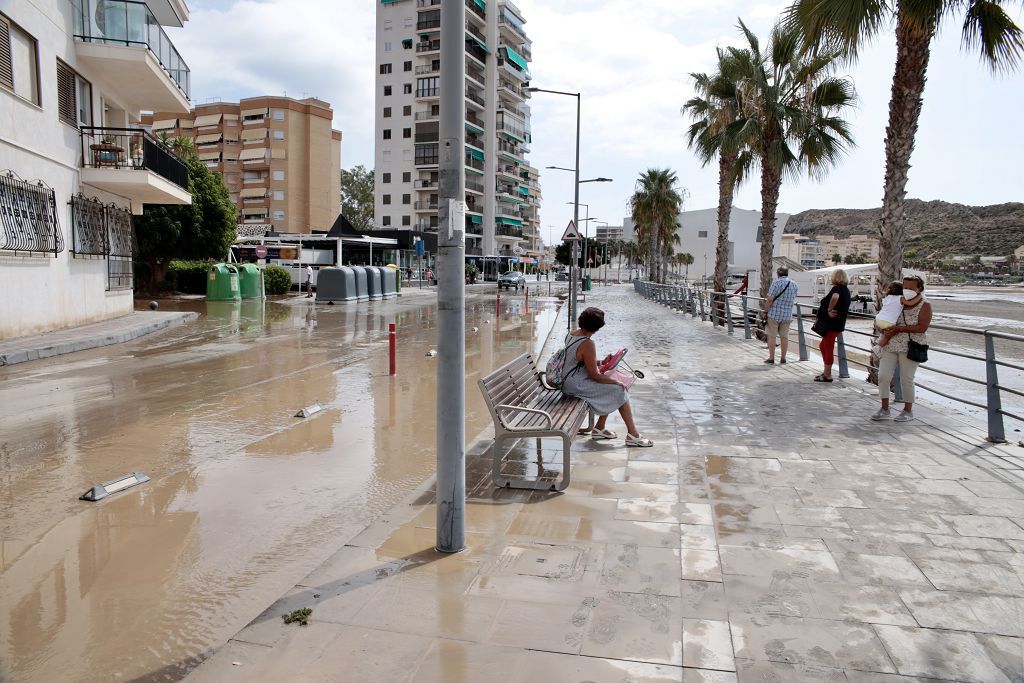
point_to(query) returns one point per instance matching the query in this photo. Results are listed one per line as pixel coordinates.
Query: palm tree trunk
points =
(912, 53)
(771, 181)
(726, 186)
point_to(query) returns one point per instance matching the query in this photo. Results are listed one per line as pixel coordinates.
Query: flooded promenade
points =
(773, 533)
(245, 499)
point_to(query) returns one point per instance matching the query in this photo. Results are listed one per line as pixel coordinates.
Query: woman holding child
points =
(903, 321)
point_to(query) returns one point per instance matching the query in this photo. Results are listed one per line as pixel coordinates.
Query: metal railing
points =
(427, 69)
(474, 163)
(132, 24)
(473, 97)
(423, 24)
(475, 186)
(28, 217)
(131, 149)
(476, 9)
(428, 46)
(428, 92)
(426, 116)
(428, 3)
(425, 205)
(721, 309)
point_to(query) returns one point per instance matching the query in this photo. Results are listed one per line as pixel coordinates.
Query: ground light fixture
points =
(107, 488)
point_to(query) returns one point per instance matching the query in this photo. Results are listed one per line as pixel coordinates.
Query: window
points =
(278, 175)
(406, 220)
(427, 87)
(426, 154)
(407, 66)
(385, 69)
(386, 220)
(407, 88)
(387, 24)
(386, 199)
(407, 177)
(386, 178)
(408, 22)
(407, 44)
(702, 233)
(386, 156)
(387, 112)
(279, 135)
(279, 215)
(278, 195)
(387, 91)
(406, 198)
(407, 154)
(279, 114)
(407, 110)
(19, 61)
(74, 97)
(387, 46)
(407, 132)
(387, 133)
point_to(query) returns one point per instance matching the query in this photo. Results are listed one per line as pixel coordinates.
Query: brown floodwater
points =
(245, 499)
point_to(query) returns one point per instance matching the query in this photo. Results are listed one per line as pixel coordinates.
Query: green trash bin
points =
(398, 280)
(250, 281)
(586, 283)
(222, 283)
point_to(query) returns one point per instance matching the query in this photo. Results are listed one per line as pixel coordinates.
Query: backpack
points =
(556, 364)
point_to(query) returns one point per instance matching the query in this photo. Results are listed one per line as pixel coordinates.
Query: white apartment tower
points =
(502, 190)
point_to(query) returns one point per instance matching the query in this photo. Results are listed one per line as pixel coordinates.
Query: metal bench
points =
(522, 406)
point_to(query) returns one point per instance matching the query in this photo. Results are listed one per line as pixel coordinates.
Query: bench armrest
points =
(521, 409)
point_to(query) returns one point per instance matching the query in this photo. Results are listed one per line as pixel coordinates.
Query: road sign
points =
(571, 234)
(419, 248)
(261, 251)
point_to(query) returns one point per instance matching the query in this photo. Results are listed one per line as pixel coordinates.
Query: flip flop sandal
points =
(583, 431)
(604, 434)
(638, 441)
(822, 378)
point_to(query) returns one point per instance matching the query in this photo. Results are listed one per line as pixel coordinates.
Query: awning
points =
(249, 154)
(230, 137)
(524, 190)
(473, 127)
(165, 124)
(207, 138)
(185, 123)
(255, 112)
(509, 221)
(475, 154)
(516, 58)
(481, 4)
(254, 134)
(476, 219)
(253, 192)
(209, 156)
(479, 43)
(207, 120)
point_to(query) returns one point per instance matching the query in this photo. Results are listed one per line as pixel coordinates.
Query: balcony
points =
(427, 22)
(512, 125)
(477, 7)
(427, 93)
(509, 231)
(474, 31)
(428, 46)
(428, 205)
(133, 164)
(473, 162)
(427, 69)
(474, 186)
(476, 50)
(473, 97)
(511, 25)
(424, 184)
(424, 4)
(124, 41)
(510, 150)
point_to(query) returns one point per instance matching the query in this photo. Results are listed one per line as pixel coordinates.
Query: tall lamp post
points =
(604, 256)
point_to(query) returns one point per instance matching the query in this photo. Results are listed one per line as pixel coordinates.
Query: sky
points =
(631, 61)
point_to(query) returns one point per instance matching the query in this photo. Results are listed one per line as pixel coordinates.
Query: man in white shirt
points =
(309, 281)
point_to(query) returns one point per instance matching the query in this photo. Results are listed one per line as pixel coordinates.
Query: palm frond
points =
(992, 32)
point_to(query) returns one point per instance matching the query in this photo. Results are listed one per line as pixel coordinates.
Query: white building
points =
(809, 252)
(698, 235)
(75, 165)
(502, 191)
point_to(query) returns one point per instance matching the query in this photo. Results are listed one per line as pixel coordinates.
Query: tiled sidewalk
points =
(772, 534)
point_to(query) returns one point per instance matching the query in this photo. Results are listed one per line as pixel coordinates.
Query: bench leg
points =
(566, 447)
(497, 454)
(540, 454)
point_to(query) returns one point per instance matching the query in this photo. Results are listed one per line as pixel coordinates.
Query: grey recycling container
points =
(362, 294)
(388, 288)
(336, 285)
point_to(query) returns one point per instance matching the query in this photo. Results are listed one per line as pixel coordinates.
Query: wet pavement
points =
(245, 499)
(773, 533)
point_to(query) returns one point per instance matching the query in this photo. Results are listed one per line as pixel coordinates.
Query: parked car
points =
(561, 276)
(511, 279)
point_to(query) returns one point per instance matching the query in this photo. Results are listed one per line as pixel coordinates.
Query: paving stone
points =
(703, 600)
(707, 644)
(817, 642)
(987, 527)
(949, 655)
(750, 671)
(707, 676)
(645, 628)
(968, 543)
(997, 614)
(542, 625)
(885, 570)
(638, 569)
(698, 536)
(993, 489)
(779, 596)
(548, 666)
(788, 562)
(700, 565)
(970, 576)
(894, 520)
(851, 602)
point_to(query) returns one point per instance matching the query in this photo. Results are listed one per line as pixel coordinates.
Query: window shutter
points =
(67, 107)
(6, 65)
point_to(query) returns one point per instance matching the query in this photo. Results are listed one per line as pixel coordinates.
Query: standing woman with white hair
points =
(832, 312)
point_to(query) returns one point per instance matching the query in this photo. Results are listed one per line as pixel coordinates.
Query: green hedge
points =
(187, 276)
(277, 280)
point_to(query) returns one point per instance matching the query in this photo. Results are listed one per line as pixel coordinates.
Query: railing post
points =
(746, 318)
(693, 304)
(728, 313)
(801, 336)
(844, 369)
(703, 315)
(996, 433)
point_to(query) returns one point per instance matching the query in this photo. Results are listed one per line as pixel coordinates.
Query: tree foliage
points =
(563, 253)
(202, 230)
(654, 209)
(357, 197)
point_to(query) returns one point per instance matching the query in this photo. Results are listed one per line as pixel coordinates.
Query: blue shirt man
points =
(779, 305)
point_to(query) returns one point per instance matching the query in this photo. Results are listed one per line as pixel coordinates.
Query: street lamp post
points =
(604, 257)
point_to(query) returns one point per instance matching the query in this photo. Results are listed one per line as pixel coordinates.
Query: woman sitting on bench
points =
(584, 380)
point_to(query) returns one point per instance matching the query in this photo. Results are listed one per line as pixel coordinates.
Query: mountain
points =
(935, 229)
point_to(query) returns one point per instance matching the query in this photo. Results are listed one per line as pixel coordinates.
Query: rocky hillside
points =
(935, 229)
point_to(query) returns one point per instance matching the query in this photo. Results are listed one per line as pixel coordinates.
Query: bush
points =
(277, 280)
(187, 276)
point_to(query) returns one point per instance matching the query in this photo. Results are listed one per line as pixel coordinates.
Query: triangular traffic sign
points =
(571, 233)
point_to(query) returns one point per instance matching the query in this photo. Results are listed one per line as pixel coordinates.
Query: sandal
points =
(583, 431)
(822, 378)
(604, 434)
(638, 441)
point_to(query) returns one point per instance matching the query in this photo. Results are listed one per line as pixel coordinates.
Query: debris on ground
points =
(299, 615)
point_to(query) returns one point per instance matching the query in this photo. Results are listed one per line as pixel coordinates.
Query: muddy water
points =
(245, 498)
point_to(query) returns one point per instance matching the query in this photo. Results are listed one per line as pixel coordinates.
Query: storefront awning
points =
(253, 192)
(207, 120)
(524, 190)
(248, 154)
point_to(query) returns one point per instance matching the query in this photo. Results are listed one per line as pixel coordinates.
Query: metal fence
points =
(730, 311)
(28, 217)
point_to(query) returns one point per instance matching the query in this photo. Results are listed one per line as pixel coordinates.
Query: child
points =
(892, 306)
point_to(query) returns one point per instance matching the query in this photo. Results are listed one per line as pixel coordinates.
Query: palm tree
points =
(987, 28)
(787, 104)
(654, 208)
(713, 110)
(687, 260)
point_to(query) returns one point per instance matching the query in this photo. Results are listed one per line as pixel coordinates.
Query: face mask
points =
(909, 294)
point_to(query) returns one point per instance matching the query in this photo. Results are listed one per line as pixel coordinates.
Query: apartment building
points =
(854, 245)
(279, 158)
(502, 190)
(809, 252)
(75, 162)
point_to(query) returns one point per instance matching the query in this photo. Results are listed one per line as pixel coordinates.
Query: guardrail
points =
(731, 310)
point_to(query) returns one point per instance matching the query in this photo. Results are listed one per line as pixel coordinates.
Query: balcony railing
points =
(473, 97)
(476, 9)
(476, 51)
(428, 46)
(423, 24)
(130, 23)
(428, 3)
(474, 163)
(473, 30)
(474, 185)
(424, 184)
(511, 21)
(509, 231)
(475, 140)
(425, 116)
(476, 74)
(476, 121)
(510, 148)
(431, 136)
(512, 109)
(131, 149)
(427, 69)
(511, 213)
(428, 92)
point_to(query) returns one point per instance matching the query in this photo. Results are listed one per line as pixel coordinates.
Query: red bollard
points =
(497, 305)
(392, 342)
(526, 298)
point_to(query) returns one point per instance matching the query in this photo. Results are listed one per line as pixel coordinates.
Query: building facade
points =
(854, 245)
(75, 162)
(279, 157)
(502, 191)
(809, 252)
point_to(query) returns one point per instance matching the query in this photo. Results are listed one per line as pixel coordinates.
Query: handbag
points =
(819, 327)
(916, 351)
